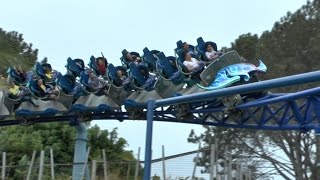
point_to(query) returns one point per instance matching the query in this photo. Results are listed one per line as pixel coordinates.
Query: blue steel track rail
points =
(282, 111)
(290, 115)
(286, 111)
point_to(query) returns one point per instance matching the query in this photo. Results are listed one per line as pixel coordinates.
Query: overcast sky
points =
(79, 29)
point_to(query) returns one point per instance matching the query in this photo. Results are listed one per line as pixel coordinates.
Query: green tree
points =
(19, 142)
(115, 150)
(291, 47)
(246, 45)
(228, 142)
(14, 50)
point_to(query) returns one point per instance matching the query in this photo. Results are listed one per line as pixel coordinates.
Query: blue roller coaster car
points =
(229, 70)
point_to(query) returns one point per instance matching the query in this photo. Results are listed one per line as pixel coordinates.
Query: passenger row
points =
(152, 75)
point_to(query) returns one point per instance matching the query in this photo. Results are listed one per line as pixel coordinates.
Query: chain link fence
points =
(183, 166)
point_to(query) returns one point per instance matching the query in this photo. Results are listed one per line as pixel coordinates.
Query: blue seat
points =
(150, 59)
(84, 78)
(179, 44)
(14, 76)
(49, 93)
(119, 89)
(88, 89)
(68, 85)
(194, 76)
(124, 61)
(181, 67)
(75, 67)
(141, 77)
(166, 67)
(112, 74)
(93, 65)
(65, 83)
(201, 48)
(202, 44)
(179, 49)
(33, 88)
(39, 70)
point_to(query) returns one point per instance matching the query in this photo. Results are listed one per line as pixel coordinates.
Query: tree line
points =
(290, 47)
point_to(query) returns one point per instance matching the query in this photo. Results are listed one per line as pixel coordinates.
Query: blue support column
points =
(148, 148)
(80, 153)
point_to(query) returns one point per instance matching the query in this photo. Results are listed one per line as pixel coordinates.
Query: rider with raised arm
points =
(101, 66)
(132, 58)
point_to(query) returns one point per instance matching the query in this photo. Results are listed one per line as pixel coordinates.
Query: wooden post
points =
(85, 164)
(195, 163)
(237, 171)
(229, 166)
(104, 164)
(247, 169)
(240, 171)
(41, 165)
(212, 162)
(137, 166)
(217, 155)
(52, 163)
(163, 164)
(128, 171)
(225, 171)
(93, 169)
(249, 174)
(31, 165)
(3, 175)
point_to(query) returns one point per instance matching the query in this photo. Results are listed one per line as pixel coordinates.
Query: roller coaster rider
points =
(19, 93)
